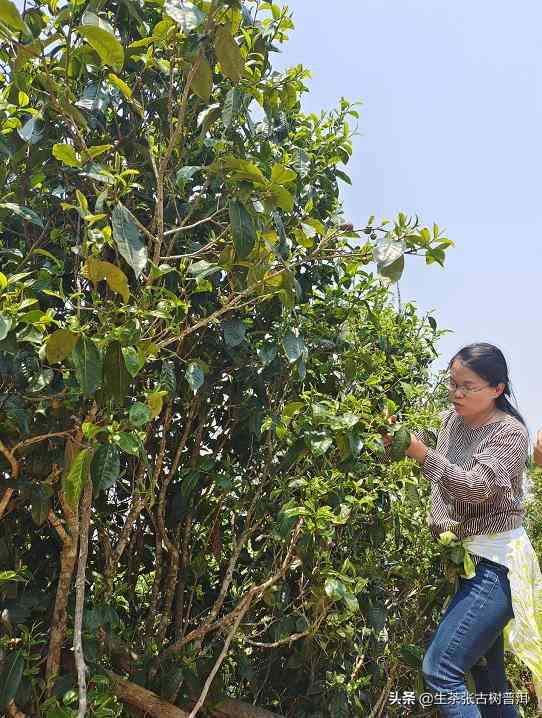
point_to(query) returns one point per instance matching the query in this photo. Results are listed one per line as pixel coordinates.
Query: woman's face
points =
(469, 393)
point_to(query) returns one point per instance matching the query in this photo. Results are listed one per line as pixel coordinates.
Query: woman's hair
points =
(488, 362)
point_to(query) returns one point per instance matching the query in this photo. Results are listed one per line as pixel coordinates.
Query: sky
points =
(450, 129)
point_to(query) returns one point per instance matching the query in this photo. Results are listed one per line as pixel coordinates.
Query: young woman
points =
(476, 493)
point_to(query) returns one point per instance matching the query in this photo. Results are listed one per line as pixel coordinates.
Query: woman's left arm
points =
(494, 466)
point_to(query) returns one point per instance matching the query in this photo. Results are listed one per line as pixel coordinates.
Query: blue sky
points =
(450, 129)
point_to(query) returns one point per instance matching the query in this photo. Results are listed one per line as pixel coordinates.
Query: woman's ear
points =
(499, 390)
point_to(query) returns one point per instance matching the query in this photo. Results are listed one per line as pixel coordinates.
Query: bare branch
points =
(191, 226)
(220, 659)
(39, 439)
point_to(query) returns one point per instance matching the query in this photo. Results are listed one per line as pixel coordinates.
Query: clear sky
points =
(450, 129)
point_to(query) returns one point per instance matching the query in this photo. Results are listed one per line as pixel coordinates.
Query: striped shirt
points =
(476, 476)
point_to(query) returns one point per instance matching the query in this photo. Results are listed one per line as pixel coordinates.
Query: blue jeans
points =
(470, 629)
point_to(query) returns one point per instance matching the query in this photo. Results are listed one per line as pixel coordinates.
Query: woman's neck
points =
(481, 418)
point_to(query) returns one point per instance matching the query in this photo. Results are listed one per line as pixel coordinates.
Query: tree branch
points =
(80, 598)
(220, 659)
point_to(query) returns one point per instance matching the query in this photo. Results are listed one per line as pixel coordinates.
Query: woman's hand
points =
(417, 449)
(388, 438)
(537, 454)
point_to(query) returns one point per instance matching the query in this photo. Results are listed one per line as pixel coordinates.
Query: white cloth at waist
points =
(523, 634)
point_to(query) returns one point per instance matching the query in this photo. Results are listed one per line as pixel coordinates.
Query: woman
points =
(476, 493)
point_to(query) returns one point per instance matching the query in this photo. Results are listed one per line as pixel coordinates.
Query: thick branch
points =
(15, 469)
(143, 699)
(80, 599)
(155, 707)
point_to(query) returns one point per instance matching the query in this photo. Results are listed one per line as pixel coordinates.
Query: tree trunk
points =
(155, 707)
(60, 615)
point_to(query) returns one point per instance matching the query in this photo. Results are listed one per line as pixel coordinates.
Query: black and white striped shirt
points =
(476, 476)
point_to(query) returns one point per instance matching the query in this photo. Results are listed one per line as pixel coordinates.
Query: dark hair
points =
(488, 362)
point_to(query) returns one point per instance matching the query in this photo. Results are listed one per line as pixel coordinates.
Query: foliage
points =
(188, 323)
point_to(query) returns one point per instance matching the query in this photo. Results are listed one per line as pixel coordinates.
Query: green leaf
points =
(343, 176)
(140, 414)
(120, 85)
(294, 346)
(27, 214)
(245, 170)
(73, 481)
(186, 14)
(401, 442)
(66, 154)
(97, 150)
(267, 353)
(9, 576)
(11, 677)
(185, 174)
(195, 376)
(10, 16)
(229, 54)
(232, 107)
(351, 602)
(5, 326)
(40, 508)
(128, 443)
(60, 344)
(108, 48)
(202, 83)
(292, 408)
(116, 377)
(282, 175)
(335, 589)
(318, 442)
(376, 617)
(446, 538)
(97, 172)
(411, 655)
(205, 118)
(88, 365)
(134, 360)
(97, 270)
(168, 379)
(128, 239)
(243, 229)
(282, 197)
(105, 467)
(155, 402)
(234, 332)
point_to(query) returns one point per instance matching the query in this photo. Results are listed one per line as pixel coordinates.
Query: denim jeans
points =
(471, 629)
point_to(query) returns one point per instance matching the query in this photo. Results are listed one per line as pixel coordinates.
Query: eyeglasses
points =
(465, 390)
